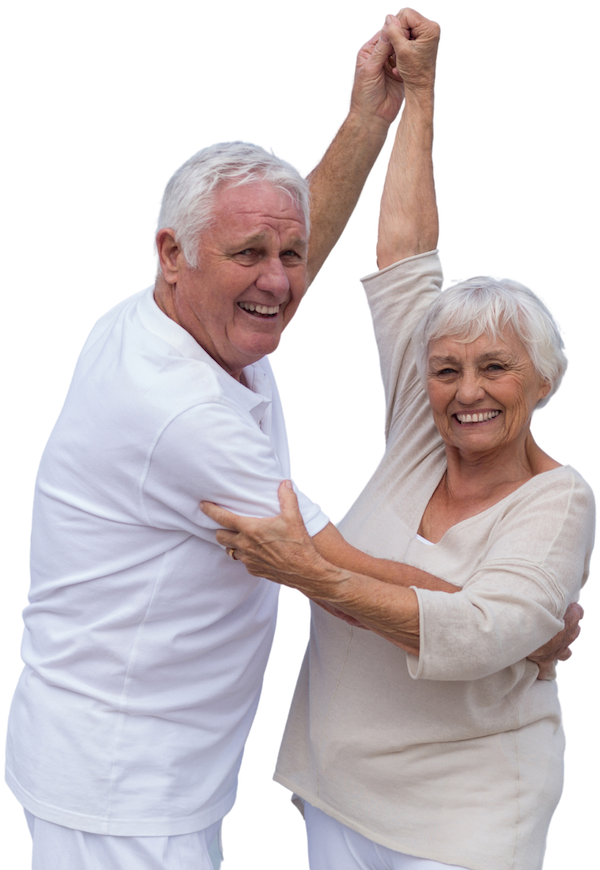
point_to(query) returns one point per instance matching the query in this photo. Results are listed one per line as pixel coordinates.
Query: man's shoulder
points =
(141, 366)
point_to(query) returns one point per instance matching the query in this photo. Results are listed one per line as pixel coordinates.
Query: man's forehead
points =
(260, 199)
(255, 215)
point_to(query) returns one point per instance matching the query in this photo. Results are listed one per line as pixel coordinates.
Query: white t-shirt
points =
(145, 644)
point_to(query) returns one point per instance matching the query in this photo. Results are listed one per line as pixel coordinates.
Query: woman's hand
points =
(278, 548)
(557, 649)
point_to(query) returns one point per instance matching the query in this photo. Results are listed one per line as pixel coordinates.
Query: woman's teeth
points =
(476, 418)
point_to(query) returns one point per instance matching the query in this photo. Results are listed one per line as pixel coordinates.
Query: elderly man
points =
(145, 645)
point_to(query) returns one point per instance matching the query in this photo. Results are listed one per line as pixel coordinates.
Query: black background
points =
(110, 111)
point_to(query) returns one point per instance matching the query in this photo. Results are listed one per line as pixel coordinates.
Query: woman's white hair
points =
(485, 306)
(188, 201)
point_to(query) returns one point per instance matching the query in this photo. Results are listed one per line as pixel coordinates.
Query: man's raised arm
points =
(336, 183)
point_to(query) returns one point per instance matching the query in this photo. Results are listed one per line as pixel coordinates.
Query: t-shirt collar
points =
(257, 376)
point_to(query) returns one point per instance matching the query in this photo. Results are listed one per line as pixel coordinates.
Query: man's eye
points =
(445, 372)
(495, 367)
(291, 254)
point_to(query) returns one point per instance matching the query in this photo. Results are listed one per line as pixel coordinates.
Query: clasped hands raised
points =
(400, 58)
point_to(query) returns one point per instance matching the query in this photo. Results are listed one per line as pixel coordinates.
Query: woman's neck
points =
(489, 477)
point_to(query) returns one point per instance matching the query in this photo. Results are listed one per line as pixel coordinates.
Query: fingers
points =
(394, 33)
(220, 515)
(288, 500)
(226, 538)
(383, 54)
(572, 629)
(415, 25)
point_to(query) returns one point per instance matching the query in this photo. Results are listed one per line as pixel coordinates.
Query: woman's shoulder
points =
(545, 463)
(559, 487)
(550, 474)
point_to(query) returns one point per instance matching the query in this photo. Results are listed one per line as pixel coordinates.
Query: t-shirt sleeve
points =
(514, 601)
(213, 452)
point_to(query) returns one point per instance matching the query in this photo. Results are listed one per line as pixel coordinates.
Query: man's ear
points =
(170, 255)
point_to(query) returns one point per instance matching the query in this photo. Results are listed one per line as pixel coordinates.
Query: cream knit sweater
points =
(455, 755)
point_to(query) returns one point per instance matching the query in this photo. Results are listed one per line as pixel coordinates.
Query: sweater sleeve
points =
(398, 297)
(514, 600)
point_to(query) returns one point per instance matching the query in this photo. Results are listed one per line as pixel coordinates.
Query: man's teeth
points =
(476, 418)
(260, 309)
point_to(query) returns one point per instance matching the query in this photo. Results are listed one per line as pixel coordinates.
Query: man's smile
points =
(263, 310)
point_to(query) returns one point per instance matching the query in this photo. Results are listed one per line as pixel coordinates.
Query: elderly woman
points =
(441, 745)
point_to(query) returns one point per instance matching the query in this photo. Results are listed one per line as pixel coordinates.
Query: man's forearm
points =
(336, 184)
(390, 611)
(335, 549)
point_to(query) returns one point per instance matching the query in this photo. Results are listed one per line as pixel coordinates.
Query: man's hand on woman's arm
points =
(358, 588)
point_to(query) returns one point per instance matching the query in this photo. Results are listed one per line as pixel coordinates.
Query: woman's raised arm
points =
(408, 220)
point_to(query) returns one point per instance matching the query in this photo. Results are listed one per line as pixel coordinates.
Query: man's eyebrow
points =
(258, 238)
(299, 243)
(248, 241)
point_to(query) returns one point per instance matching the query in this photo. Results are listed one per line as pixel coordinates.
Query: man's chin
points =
(262, 345)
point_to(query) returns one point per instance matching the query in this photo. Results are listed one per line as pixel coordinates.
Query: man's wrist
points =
(367, 125)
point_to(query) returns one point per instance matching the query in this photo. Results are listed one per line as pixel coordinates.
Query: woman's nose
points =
(470, 389)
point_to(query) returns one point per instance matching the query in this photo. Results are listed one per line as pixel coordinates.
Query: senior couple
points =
(431, 742)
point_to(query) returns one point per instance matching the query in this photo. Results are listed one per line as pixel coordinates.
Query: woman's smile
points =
(483, 392)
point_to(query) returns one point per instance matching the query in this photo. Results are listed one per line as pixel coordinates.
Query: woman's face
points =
(483, 393)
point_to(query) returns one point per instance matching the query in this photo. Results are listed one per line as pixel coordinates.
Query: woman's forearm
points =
(408, 220)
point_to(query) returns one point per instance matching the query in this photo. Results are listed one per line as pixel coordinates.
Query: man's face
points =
(251, 275)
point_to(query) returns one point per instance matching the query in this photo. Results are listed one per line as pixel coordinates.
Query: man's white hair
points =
(485, 306)
(188, 201)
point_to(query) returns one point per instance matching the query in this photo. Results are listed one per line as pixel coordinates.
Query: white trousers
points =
(59, 848)
(333, 846)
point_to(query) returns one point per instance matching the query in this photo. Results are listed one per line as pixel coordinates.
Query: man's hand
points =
(278, 548)
(415, 43)
(336, 183)
(378, 90)
(558, 647)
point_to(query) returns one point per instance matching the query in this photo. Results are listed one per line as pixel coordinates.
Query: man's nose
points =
(273, 277)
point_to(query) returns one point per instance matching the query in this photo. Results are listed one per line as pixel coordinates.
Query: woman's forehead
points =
(503, 343)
